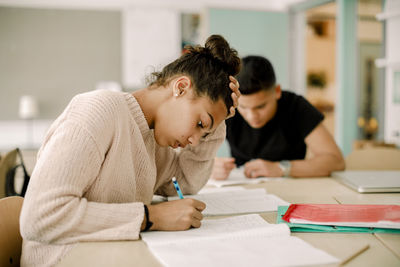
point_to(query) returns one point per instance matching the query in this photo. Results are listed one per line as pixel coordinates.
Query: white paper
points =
(238, 202)
(207, 190)
(237, 177)
(275, 251)
(232, 227)
(246, 240)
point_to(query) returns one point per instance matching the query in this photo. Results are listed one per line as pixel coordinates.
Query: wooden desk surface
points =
(384, 249)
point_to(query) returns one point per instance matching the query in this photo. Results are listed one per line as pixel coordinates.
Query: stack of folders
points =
(340, 218)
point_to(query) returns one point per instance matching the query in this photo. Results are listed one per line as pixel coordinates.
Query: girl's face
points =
(184, 118)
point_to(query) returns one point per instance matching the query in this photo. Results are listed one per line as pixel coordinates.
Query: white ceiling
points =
(272, 5)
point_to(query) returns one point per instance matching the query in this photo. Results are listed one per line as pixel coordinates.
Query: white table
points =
(384, 249)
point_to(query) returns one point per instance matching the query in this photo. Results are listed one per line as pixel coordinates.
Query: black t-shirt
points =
(282, 138)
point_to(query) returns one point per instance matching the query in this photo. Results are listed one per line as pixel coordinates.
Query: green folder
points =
(315, 228)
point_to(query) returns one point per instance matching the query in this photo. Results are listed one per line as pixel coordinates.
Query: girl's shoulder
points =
(99, 97)
(98, 102)
(97, 109)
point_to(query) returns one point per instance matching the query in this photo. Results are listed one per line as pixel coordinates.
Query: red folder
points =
(341, 214)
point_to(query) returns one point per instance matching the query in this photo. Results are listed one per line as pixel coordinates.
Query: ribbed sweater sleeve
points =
(191, 166)
(56, 209)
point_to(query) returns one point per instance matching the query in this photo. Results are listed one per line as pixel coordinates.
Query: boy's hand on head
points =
(222, 168)
(234, 85)
(176, 215)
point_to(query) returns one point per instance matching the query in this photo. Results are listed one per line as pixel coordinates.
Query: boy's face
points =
(259, 108)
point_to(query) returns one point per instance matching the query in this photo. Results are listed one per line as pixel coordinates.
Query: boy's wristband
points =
(286, 167)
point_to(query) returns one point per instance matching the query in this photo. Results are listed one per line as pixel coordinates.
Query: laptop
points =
(370, 181)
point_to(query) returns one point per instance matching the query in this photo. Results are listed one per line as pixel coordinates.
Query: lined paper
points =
(246, 240)
(238, 202)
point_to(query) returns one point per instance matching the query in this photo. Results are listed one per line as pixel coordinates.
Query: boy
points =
(273, 129)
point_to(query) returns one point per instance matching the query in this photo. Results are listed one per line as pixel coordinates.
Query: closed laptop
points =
(370, 181)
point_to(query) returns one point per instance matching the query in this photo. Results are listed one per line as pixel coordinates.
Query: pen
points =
(178, 189)
(358, 252)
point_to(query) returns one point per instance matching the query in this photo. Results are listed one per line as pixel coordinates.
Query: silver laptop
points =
(370, 181)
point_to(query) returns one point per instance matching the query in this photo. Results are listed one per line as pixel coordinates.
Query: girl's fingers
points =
(198, 215)
(235, 100)
(196, 223)
(234, 85)
(231, 112)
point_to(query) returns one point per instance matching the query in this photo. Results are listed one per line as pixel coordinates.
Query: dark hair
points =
(208, 68)
(256, 74)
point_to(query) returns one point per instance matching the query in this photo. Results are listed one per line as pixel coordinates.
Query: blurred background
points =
(343, 56)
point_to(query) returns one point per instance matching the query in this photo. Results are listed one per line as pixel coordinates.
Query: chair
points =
(7, 163)
(8, 169)
(374, 158)
(10, 236)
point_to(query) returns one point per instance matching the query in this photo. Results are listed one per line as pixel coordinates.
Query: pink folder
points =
(345, 215)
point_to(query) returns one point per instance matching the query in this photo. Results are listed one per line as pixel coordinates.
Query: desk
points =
(384, 249)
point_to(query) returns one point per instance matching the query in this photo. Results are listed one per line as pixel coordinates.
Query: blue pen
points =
(178, 189)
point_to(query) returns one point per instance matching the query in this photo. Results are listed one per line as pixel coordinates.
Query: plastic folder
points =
(297, 227)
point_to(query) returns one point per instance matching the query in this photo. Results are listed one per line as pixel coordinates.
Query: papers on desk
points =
(238, 202)
(207, 190)
(237, 177)
(246, 240)
(374, 216)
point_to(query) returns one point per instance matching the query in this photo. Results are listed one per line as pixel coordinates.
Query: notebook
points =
(246, 240)
(370, 181)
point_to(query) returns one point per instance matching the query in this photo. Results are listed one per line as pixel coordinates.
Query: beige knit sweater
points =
(97, 166)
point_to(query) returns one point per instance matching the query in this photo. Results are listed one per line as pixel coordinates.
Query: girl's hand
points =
(234, 85)
(176, 215)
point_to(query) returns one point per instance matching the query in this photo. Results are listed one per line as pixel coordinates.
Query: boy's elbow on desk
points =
(337, 164)
(340, 164)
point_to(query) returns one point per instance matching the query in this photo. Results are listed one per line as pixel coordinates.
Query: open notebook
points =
(246, 240)
(238, 202)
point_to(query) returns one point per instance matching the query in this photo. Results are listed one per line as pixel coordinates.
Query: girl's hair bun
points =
(219, 48)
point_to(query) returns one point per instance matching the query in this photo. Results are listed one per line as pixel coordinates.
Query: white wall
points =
(151, 39)
(22, 134)
(150, 32)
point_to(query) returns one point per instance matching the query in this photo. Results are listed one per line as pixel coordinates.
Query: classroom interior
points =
(343, 56)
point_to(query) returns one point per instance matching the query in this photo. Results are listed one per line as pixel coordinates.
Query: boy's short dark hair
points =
(255, 75)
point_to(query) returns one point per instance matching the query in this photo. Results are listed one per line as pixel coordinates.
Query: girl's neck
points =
(149, 101)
